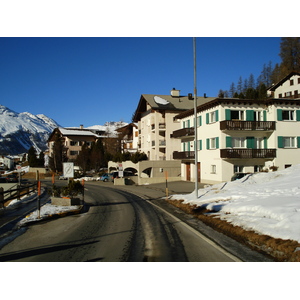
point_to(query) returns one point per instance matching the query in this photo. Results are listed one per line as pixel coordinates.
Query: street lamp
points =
(195, 120)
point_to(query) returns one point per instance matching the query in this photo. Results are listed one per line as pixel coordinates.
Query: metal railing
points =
(247, 125)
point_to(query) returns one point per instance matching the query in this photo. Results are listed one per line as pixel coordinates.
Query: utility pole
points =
(195, 121)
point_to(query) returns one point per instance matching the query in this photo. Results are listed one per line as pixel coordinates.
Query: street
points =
(119, 224)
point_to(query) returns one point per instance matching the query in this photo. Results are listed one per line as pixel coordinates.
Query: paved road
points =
(118, 226)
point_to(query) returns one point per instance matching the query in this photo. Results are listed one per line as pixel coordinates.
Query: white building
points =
(288, 87)
(236, 135)
(155, 117)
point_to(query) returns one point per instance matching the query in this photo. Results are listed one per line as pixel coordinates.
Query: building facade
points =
(155, 116)
(236, 135)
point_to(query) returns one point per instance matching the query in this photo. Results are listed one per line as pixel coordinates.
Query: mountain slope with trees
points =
(251, 88)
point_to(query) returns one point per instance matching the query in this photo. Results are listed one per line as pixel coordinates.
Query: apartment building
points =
(288, 87)
(236, 135)
(73, 140)
(155, 117)
(128, 136)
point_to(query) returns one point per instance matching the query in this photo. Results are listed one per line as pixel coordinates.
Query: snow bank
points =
(268, 203)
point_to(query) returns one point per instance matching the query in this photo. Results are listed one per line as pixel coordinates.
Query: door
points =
(188, 171)
(199, 171)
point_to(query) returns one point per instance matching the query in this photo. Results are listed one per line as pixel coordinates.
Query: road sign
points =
(19, 168)
(68, 168)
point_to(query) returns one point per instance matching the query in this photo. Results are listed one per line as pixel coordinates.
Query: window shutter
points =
(265, 115)
(265, 143)
(228, 142)
(207, 143)
(279, 114)
(188, 123)
(298, 141)
(250, 142)
(217, 116)
(207, 118)
(280, 142)
(199, 144)
(183, 124)
(217, 142)
(298, 115)
(183, 146)
(249, 115)
(227, 114)
(200, 121)
(189, 146)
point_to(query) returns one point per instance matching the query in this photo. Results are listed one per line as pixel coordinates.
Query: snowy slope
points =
(20, 131)
(268, 203)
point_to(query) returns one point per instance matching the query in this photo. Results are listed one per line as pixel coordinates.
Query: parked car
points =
(3, 180)
(237, 176)
(105, 177)
(62, 177)
(12, 178)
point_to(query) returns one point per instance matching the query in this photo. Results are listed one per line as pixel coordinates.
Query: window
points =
(238, 169)
(238, 142)
(213, 169)
(237, 114)
(212, 143)
(288, 94)
(289, 142)
(212, 117)
(74, 152)
(288, 115)
(291, 82)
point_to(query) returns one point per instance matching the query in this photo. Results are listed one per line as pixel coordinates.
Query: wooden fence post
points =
(1, 197)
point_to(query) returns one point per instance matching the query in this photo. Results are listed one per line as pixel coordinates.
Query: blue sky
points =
(91, 81)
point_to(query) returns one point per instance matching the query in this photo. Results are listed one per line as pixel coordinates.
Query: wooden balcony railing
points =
(248, 153)
(184, 155)
(247, 125)
(190, 132)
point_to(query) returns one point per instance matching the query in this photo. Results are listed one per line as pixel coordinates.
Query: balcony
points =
(184, 132)
(248, 153)
(184, 155)
(247, 125)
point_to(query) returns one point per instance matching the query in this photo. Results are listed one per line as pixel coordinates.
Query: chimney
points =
(81, 126)
(175, 93)
(204, 95)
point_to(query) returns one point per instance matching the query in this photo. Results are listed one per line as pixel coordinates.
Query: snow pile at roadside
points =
(47, 211)
(268, 203)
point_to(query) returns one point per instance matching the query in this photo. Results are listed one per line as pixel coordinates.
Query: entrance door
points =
(188, 171)
(199, 171)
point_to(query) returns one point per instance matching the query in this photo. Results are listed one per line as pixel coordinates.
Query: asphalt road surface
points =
(117, 226)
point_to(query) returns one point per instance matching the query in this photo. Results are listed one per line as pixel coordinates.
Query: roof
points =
(279, 83)
(218, 101)
(65, 131)
(166, 102)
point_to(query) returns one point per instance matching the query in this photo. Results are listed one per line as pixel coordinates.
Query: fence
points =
(12, 194)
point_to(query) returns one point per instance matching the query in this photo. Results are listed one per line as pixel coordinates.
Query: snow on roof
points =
(76, 132)
(160, 100)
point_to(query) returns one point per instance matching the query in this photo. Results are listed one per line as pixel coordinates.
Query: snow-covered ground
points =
(268, 203)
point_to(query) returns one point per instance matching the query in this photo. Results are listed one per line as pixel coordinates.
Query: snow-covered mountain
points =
(20, 131)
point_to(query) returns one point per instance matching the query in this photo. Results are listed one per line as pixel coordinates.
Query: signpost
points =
(68, 168)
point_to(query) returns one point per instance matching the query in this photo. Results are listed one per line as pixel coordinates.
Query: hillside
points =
(20, 131)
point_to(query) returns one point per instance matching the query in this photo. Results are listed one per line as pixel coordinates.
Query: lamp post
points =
(195, 120)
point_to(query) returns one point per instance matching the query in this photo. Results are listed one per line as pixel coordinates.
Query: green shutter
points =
(200, 121)
(217, 142)
(183, 124)
(207, 143)
(265, 143)
(298, 115)
(279, 114)
(298, 141)
(250, 142)
(189, 146)
(188, 123)
(249, 115)
(265, 115)
(227, 114)
(207, 118)
(280, 142)
(228, 142)
(200, 144)
(217, 116)
(183, 146)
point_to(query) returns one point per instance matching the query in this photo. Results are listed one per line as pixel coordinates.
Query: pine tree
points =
(239, 87)
(232, 90)
(32, 157)
(290, 55)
